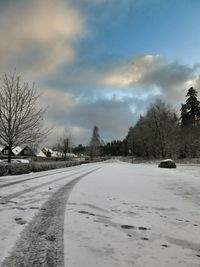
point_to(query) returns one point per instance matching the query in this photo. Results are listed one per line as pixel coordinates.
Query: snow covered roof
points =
(39, 153)
(16, 150)
(47, 149)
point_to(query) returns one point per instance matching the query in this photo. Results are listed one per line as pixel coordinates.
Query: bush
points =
(22, 168)
(3, 169)
(14, 169)
(167, 163)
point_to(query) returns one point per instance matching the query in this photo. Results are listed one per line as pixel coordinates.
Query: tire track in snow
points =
(33, 178)
(5, 199)
(41, 242)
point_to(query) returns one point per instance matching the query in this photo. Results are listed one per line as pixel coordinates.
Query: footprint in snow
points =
(86, 212)
(126, 226)
(165, 245)
(144, 238)
(143, 228)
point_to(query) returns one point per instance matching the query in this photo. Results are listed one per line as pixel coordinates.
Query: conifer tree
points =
(190, 111)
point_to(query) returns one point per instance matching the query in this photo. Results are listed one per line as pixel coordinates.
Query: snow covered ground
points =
(117, 214)
(134, 215)
(22, 197)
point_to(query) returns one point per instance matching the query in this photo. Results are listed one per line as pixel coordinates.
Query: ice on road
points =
(134, 215)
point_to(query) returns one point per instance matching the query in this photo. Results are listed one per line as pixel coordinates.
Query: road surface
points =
(102, 214)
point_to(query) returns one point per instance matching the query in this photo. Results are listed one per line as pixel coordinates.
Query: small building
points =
(47, 151)
(40, 154)
(15, 151)
(27, 152)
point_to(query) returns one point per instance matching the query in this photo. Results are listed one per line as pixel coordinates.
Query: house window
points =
(5, 152)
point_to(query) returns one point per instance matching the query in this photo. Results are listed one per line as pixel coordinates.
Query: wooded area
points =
(160, 133)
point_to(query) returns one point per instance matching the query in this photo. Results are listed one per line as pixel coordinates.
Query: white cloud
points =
(149, 73)
(39, 33)
(131, 73)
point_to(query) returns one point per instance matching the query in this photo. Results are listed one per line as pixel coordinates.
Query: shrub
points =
(167, 163)
(22, 168)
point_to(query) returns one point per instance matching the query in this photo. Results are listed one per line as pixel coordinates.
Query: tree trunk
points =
(9, 154)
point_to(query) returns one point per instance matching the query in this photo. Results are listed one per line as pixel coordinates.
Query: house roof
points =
(39, 153)
(16, 150)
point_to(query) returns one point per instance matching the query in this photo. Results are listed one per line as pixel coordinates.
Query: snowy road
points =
(134, 215)
(32, 209)
(104, 214)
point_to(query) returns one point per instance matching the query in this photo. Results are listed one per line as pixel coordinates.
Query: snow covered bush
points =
(14, 169)
(167, 163)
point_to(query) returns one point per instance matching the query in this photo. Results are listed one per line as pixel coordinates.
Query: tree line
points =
(160, 133)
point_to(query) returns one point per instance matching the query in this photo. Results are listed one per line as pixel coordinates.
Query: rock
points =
(167, 163)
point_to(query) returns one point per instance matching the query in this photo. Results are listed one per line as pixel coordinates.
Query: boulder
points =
(167, 163)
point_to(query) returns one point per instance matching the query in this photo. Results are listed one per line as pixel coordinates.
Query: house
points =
(15, 151)
(52, 153)
(27, 152)
(47, 151)
(31, 152)
(40, 154)
(57, 154)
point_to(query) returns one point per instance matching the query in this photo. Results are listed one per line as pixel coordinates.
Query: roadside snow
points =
(134, 215)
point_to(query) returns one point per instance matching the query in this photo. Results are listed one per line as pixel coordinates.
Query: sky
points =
(101, 62)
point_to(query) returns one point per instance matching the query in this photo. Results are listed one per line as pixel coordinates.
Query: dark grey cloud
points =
(171, 78)
(113, 116)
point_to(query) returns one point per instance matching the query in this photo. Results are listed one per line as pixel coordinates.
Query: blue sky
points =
(101, 62)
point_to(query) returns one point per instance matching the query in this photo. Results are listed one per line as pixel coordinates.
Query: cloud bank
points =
(39, 35)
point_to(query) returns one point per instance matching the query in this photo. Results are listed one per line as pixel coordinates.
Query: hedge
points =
(22, 168)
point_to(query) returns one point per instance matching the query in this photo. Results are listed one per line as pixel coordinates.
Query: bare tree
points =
(64, 144)
(20, 119)
(156, 133)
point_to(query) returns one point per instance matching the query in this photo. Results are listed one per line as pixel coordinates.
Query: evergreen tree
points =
(190, 123)
(190, 111)
(95, 143)
(95, 140)
(185, 117)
